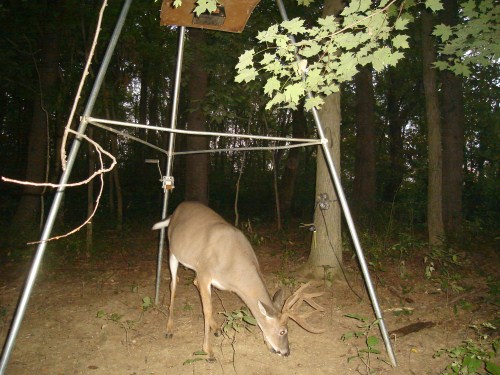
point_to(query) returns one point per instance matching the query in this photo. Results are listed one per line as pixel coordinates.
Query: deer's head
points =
(274, 325)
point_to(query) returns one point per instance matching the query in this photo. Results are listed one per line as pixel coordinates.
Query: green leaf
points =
(492, 368)
(267, 58)
(400, 41)
(294, 26)
(401, 23)
(434, 5)
(356, 316)
(472, 363)
(191, 361)
(250, 320)
(443, 32)
(372, 341)
(272, 85)
(246, 59)
(314, 101)
(203, 6)
(310, 50)
(370, 350)
(305, 2)
(294, 92)
(177, 3)
(246, 75)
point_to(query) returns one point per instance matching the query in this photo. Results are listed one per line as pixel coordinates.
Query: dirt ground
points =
(93, 317)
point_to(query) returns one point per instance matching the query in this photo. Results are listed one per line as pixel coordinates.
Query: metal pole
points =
(348, 217)
(23, 302)
(171, 144)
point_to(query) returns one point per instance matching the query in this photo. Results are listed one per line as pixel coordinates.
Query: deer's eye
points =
(283, 332)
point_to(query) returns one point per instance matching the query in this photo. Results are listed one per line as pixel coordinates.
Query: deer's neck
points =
(255, 291)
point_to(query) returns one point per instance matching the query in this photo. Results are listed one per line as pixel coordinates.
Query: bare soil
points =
(87, 317)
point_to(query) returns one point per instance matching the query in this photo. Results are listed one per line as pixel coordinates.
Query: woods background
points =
(384, 134)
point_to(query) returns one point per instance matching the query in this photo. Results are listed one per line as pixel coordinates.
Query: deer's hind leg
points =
(174, 265)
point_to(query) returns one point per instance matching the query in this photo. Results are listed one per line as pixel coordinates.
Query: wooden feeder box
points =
(231, 15)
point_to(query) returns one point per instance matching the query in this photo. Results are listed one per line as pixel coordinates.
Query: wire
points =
(335, 254)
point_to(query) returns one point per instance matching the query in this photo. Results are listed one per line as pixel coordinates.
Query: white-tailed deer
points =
(221, 256)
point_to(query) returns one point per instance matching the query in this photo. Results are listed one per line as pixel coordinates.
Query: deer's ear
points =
(267, 311)
(278, 298)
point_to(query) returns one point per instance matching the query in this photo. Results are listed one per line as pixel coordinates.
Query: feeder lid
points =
(231, 15)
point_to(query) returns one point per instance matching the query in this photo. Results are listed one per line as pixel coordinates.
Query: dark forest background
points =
(44, 45)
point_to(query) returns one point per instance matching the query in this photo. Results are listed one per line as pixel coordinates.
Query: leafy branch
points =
(474, 41)
(327, 54)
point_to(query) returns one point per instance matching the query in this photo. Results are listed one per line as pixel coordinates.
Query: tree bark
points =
(288, 181)
(395, 122)
(197, 164)
(28, 211)
(365, 188)
(434, 189)
(453, 136)
(326, 248)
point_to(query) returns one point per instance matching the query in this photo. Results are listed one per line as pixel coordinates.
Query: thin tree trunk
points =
(365, 187)
(90, 195)
(290, 174)
(453, 136)
(395, 120)
(116, 177)
(28, 211)
(197, 164)
(434, 190)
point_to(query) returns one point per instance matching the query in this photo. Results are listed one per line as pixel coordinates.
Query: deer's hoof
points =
(169, 335)
(217, 332)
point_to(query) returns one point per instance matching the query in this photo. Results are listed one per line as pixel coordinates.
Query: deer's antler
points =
(295, 301)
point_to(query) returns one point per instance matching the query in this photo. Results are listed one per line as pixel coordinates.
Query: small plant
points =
(406, 243)
(114, 317)
(237, 320)
(254, 238)
(371, 342)
(286, 280)
(474, 356)
(445, 261)
(327, 275)
(187, 307)
(190, 361)
(147, 303)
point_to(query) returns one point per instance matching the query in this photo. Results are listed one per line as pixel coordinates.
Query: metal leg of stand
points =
(49, 224)
(349, 220)
(171, 144)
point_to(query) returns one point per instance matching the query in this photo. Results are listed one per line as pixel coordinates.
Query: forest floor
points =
(94, 316)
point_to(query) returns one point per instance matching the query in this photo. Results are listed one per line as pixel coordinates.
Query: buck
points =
(222, 257)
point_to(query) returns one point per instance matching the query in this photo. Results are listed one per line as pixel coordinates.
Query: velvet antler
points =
(295, 301)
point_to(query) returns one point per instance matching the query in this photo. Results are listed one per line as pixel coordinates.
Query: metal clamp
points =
(167, 182)
(324, 201)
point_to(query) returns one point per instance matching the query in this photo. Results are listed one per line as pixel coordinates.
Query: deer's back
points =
(203, 241)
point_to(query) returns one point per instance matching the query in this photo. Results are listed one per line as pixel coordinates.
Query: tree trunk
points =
(90, 195)
(434, 189)
(364, 189)
(290, 174)
(326, 248)
(453, 136)
(28, 211)
(395, 120)
(197, 164)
